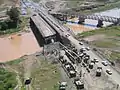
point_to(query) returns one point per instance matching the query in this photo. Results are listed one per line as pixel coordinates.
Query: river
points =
(17, 46)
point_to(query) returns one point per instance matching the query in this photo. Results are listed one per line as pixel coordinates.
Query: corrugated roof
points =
(43, 27)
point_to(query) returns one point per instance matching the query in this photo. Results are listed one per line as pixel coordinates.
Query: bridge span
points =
(43, 32)
(82, 17)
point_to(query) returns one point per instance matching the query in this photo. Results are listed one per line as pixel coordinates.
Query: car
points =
(99, 68)
(81, 43)
(98, 72)
(84, 65)
(93, 61)
(67, 35)
(104, 63)
(83, 49)
(109, 71)
(87, 48)
(34, 15)
(28, 81)
(96, 60)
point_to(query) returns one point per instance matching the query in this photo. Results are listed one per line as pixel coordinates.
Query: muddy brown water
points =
(17, 46)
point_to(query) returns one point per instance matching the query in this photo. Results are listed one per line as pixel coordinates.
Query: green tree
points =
(4, 26)
(14, 14)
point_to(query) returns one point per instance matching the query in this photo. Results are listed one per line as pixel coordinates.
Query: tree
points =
(4, 26)
(14, 14)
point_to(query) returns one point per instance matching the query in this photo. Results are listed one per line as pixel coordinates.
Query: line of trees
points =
(13, 21)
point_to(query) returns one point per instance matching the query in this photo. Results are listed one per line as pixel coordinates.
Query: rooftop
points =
(43, 27)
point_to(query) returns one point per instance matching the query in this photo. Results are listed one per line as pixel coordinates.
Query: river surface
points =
(91, 24)
(17, 46)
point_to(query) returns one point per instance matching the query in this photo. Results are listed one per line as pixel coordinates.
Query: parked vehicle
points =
(109, 71)
(87, 48)
(104, 63)
(62, 85)
(70, 70)
(91, 65)
(99, 68)
(81, 43)
(96, 60)
(28, 81)
(79, 84)
(98, 72)
(88, 70)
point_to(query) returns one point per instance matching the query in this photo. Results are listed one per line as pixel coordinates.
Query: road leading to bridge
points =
(115, 76)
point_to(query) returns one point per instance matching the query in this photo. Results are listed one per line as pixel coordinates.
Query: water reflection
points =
(15, 46)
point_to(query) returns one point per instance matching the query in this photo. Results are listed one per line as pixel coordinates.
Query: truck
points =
(98, 72)
(79, 84)
(62, 85)
(70, 70)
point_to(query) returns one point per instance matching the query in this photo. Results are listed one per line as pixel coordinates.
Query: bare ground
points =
(95, 37)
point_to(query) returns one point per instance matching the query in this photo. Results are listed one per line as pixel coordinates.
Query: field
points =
(44, 74)
(106, 38)
(46, 77)
(107, 41)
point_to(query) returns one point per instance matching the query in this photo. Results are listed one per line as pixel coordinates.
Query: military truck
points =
(79, 84)
(62, 85)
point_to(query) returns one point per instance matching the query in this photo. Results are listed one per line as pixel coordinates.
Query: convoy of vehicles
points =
(81, 57)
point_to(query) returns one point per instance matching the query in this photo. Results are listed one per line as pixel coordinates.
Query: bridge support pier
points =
(100, 23)
(81, 20)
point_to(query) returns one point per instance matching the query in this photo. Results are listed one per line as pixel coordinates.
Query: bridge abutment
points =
(81, 20)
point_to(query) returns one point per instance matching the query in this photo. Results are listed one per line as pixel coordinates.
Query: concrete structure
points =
(63, 17)
(43, 32)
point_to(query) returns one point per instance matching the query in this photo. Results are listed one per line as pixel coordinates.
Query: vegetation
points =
(14, 24)
(109, 43)
(111, 39)
(109, 31)
(115, 56)
(14, 62)
(7, 80)
(12, 27)
(46, 77)
(14, 14)
(104, 43)
(108, 6)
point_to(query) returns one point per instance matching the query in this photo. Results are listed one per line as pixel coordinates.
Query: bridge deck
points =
(42, 26)
(94, 17)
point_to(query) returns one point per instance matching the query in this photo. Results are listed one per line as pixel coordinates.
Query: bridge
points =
(100, 18)
(43, 32)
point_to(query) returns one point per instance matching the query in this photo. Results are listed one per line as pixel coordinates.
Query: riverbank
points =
(19, 28)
